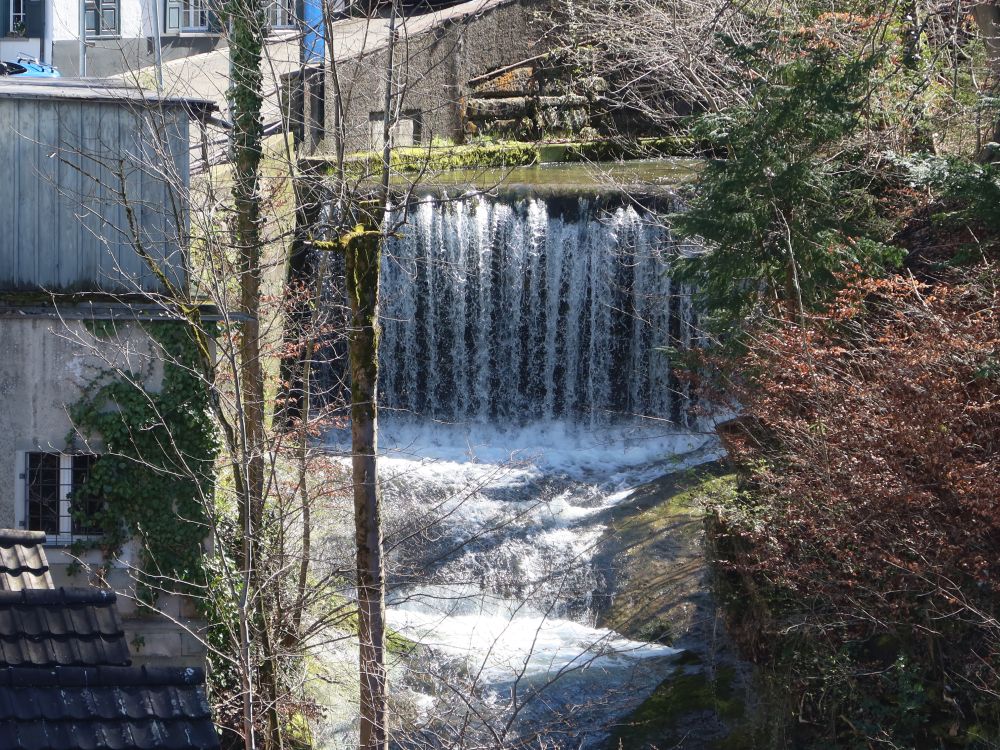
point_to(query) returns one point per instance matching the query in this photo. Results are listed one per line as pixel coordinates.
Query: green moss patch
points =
(443, 158)
(660, 559)
(506, 154)
(659, 721)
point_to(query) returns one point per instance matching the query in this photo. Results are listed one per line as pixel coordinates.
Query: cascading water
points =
(509, 312)
(538, 329)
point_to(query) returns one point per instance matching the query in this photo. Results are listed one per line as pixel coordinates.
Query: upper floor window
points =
(54, 501)
(282, 14)
(18, 18)
(102, 17)
(195, 15)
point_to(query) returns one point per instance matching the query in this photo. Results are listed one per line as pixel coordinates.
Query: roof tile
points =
(64, 627)
(64, 683)
(23, 564)
(72, 708)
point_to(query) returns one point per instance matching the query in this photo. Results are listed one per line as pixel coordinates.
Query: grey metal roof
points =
(98, 90)
(23, 564)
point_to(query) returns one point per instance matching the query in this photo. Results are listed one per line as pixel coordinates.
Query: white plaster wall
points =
(66, 19)
(11, 49)
(136, 18)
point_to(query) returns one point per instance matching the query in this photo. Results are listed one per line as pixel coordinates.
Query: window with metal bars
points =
(54, 498)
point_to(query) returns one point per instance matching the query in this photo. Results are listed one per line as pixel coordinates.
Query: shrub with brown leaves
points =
(873, 450)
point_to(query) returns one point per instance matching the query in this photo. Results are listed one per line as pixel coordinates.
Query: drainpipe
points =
(155, 16)
(83, 38)
(45, 51)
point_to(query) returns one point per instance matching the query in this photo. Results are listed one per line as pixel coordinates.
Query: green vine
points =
(156, 472)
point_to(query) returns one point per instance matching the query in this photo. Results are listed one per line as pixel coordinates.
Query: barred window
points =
(54, 499)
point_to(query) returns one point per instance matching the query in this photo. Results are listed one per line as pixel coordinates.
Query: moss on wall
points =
(506, 154)
(684, 697)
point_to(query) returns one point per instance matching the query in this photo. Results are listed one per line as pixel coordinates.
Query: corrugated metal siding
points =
(63, 168)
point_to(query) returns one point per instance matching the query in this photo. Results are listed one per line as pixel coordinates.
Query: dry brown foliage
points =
(872, 442)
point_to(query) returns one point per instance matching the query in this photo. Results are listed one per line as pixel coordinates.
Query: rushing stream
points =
(526, 389)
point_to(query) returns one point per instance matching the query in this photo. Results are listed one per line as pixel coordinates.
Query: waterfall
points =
(499, 311)
(522, 337)
(511, 311)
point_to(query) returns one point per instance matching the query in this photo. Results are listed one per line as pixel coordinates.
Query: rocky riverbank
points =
(654, 552)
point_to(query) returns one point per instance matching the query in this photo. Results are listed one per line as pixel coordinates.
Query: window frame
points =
(190, 8)
(275, 10)
(14, 17)
(99, 9)
(67, 475)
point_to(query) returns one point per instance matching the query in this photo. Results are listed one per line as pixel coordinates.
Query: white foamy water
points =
(438, 449)
(504, 640)
(520, 341)
(501, 578)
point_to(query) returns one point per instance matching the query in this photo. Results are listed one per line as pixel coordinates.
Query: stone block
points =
(156, 641)
(515, 82)
(593, 85)
(560, 120)
(551, 85)
(522, 130)
(509, 108)
(567, 101)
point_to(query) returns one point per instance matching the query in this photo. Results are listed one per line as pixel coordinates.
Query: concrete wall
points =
(112, 57)
(435, 66)
(45, 366)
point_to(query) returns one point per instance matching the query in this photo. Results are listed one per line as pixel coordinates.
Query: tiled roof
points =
(72, 708)
(61, 627)
(23, 564)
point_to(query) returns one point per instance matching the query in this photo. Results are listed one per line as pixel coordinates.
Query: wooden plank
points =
(91, 251)
(110, 275)
(69, 226)
(26, 196)
(8, 155)
(49, 253)
(178, 230)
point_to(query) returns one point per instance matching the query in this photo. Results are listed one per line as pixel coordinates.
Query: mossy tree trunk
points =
(363, 248)
(363, 252)
(248, 26)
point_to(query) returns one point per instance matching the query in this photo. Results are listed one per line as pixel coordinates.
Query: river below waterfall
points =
(527, 388)
(500, 569)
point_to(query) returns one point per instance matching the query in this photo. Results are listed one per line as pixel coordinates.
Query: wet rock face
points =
(533, 101)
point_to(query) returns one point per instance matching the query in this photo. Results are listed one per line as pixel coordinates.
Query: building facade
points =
(119, 35)
(438, 57)
(94, 243)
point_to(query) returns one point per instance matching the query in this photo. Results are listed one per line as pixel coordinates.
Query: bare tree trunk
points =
(363, 251)
(248, 26)
(987, 15)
